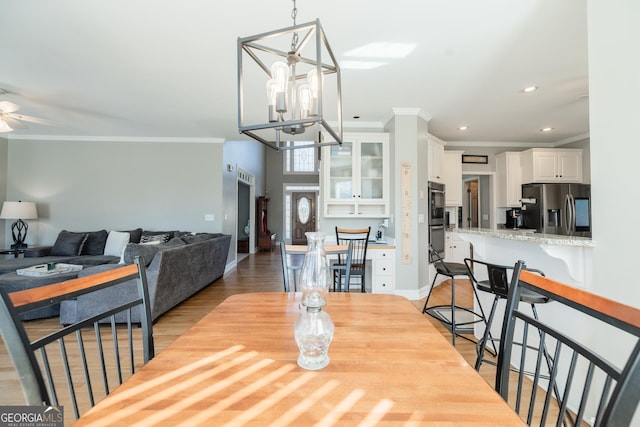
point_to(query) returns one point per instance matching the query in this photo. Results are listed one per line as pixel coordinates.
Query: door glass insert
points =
(304, 210)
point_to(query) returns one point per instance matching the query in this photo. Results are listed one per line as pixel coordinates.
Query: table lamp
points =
(19, 210)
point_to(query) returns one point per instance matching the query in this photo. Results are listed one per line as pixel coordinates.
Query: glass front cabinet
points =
(356, 177)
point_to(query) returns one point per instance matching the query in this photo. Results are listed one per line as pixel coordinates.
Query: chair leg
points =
(424, 310)
(487, 335)
(453, 311)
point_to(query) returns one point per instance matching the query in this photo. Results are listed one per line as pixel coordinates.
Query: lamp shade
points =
(19, 210)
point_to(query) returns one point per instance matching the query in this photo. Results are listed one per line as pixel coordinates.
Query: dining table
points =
(389, 366)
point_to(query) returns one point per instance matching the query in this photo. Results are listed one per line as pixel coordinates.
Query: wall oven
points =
(436, 216)
(436, 203)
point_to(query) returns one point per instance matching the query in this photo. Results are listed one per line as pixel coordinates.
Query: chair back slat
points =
(581, 384)
(36, 366)
(358, 242)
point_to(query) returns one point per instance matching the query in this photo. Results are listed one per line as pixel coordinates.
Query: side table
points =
(21, 251)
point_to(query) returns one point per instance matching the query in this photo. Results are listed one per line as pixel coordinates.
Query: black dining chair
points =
(59, 362)
(446, 313)
(291, 265)
(582, 386)
(358, 240)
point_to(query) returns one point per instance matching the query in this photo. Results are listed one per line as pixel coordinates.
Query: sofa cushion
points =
(68, 244)
(147, 251)
(116, 242)
(162, 238)
(198, 237)
(171, 233)
(94, 245)
(134, 235)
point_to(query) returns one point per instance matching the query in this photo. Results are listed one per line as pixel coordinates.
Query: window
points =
(301, 160)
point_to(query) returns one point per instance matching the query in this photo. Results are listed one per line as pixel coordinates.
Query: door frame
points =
(242, 176)
(492, 195)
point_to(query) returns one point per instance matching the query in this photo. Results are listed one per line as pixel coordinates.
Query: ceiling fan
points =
(9, 119)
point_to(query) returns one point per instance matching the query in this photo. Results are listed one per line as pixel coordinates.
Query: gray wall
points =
(90, 185)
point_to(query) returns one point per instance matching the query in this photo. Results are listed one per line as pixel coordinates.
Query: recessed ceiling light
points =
(547, 129)
(530, 89)
(463, 127)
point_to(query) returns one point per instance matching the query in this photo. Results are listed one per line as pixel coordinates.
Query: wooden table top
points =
(328, 249)
(237, 366)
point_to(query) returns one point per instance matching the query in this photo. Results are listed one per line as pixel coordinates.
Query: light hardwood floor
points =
(257, 273)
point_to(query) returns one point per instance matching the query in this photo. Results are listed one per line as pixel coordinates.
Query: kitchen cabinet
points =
(382, 265)
(452, 177)
(551, 165)
(355, 177)
(456, 249)
(435, 152)
(508, 179)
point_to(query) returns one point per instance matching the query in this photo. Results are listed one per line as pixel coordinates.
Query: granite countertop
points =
(530, 236)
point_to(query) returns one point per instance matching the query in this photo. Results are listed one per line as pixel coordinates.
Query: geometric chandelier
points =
(286, 93)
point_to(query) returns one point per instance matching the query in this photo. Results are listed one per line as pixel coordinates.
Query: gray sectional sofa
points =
(186, 268)
(178, 269)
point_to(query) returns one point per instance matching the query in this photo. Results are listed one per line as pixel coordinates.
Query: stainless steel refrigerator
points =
(557, 208)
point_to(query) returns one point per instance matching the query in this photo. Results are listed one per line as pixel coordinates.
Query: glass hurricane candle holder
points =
(313, 331)
(314, 275)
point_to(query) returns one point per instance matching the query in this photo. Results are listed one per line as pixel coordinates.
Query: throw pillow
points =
(134, 235)
(94, 245)
(68, 243)
(116, 242)
(163, 238)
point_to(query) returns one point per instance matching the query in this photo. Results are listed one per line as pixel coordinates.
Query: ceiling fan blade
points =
(15, 124)
(31, 119)
(4, 126)
(8, 107)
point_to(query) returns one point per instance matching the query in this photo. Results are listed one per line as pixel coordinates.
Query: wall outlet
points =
(209, 217)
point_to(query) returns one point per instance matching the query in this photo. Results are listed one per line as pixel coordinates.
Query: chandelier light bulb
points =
(280, 73)
(305, 100)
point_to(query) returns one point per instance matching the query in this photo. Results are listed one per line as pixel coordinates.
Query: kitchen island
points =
(565, 258)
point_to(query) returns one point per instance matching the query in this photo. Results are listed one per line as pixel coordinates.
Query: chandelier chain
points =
(294, 14)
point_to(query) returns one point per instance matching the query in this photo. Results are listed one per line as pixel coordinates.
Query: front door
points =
(304, 216)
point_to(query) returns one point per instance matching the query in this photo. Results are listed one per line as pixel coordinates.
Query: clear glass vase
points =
(315, 276)
(313, 331)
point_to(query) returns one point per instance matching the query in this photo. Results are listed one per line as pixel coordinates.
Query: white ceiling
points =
(167, 68)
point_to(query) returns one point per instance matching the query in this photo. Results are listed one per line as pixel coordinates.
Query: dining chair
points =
(446, 313)
(291, 265)
(497, 284)
(47, 364)
(595, 390)
(358, 239)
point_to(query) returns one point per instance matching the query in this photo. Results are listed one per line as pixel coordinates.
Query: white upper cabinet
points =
(355, 177)
(452, 177)
(551, 165)
(508, 179)
(435, 151)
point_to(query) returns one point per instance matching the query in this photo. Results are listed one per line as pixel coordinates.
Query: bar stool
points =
(441, 312)
(498, 285)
